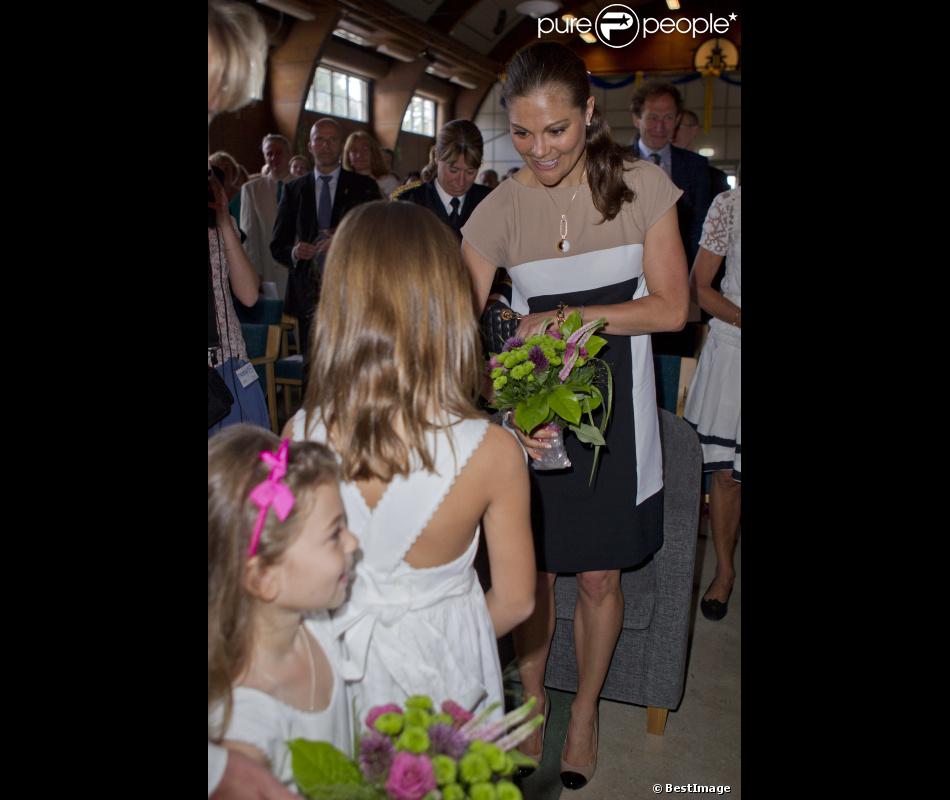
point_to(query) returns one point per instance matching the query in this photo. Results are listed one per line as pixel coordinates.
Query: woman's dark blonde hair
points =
(547, 66)
(376, 164)
(460, 137)
(234, 469)
(238, 43)
(394, 337)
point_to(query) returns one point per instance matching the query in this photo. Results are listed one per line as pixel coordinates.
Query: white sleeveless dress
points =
(414, 631)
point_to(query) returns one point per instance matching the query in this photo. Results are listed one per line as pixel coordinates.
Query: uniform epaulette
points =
(394, 194)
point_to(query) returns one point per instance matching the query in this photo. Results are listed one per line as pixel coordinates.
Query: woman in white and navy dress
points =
(584, 225)
(714, 400)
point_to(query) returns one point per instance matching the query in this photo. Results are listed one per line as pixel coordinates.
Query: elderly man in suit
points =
(310, 210)
(657, 109)
(259, 199)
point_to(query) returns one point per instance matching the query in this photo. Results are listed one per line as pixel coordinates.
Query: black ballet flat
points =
(713, 609)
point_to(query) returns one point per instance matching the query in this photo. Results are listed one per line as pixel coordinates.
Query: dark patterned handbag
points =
(499, 323)
(219, 397)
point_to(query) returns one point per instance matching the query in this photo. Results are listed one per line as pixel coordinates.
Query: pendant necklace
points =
(564, 244)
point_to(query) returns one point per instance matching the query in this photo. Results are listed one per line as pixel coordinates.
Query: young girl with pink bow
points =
(279, 557)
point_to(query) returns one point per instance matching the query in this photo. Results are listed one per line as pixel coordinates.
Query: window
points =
(420, 116)
(339, 94)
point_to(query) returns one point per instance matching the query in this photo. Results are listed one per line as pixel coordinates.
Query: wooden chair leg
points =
(286, 392)
(271, 393)
(656, 720)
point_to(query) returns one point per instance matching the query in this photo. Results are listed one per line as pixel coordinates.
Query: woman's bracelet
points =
(736, 320)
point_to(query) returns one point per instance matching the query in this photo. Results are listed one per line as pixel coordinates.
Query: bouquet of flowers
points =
(417, 753)
(549, 380)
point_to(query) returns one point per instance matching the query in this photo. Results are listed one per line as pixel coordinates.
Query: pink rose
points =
(494, 363)
(411, 777)
(459, 715)
(377, 711)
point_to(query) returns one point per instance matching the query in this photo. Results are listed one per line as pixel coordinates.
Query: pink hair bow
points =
(271, 493)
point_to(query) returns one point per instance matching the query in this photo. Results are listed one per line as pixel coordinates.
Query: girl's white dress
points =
(414, 631)
(267, 723)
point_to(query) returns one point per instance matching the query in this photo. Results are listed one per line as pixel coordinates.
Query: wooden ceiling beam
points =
(419, 34)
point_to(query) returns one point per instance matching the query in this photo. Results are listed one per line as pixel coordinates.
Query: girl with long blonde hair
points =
(394, 373)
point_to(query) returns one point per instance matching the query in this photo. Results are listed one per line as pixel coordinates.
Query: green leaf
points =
(520, 759)
(594, 345)
(345, 791)
(588, 434)
(593, 402)
(572, 323)
(565, 404)
(318, 765)
(531, 412)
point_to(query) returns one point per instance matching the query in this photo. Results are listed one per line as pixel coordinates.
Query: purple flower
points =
(583, 352)
(459, 715)
(447, 741)
(512, 343)
(537, 356)
(411, 777)
(376, 756)
(494, 363)
(554, 333)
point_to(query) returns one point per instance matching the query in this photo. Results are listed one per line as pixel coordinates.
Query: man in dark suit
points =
(686, 132)
(657, 108)
(309, 212)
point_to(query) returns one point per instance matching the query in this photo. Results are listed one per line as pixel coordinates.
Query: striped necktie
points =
(655, 157)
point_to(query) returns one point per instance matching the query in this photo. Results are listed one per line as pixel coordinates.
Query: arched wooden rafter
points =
(292, 66)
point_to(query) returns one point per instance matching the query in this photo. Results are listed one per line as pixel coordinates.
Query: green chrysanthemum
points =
(419, 701)
(389, 723)
(474, 768)
(482, 791)
(413, 739)
(509, 768)
(418, 717)
(445, 770)
(453, 792)
(506, 790)
(495, 757)
(498, 383)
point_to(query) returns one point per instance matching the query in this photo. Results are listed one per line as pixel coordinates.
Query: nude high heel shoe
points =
(523, 772)
(574, 776)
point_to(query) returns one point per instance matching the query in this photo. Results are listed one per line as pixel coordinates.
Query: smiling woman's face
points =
(549, 133)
